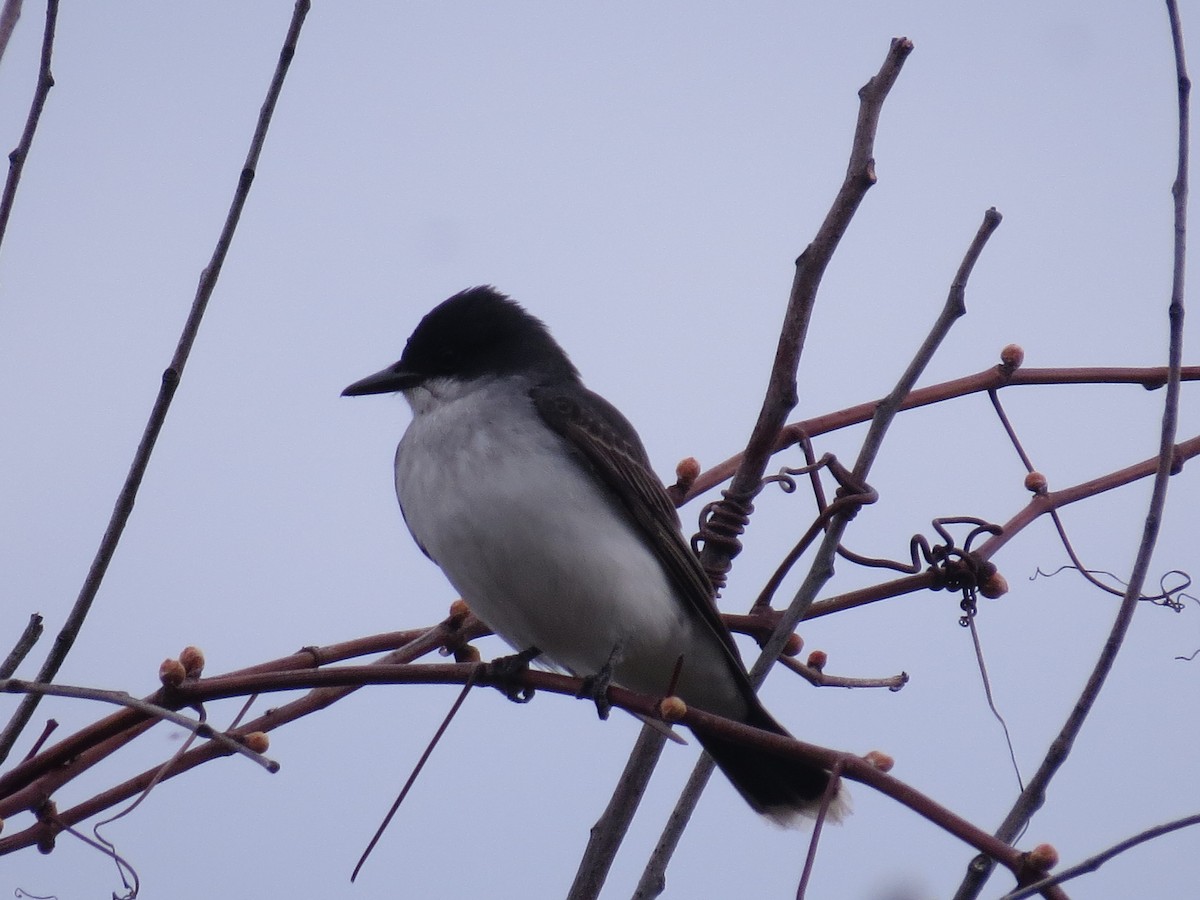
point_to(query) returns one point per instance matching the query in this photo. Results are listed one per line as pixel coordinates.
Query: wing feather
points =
(608, 445)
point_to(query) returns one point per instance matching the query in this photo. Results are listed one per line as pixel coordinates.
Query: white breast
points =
(539, 550)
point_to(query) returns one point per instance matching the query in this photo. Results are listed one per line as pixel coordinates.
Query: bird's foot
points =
(504, 669)
(595, 688)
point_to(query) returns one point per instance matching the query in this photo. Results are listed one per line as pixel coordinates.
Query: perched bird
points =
(537, 500)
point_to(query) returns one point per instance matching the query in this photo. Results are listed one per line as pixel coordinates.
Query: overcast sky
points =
(640, 176)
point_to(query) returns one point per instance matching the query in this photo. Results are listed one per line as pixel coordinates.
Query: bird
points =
(536, 498)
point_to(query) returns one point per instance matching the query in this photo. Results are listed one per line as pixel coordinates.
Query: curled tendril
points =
(954, 568)
(784, 479)
(1173, 597)
(969, 605)
(921, 552)
(723, 520)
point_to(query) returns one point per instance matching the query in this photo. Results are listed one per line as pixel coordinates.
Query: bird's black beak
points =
(386, 381)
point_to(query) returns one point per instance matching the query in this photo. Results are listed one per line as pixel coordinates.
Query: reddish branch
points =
(29, 785)
(1092, 863)
(1149, 377)
(343, 679)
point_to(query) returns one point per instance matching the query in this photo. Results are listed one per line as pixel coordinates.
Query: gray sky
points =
(641, 176)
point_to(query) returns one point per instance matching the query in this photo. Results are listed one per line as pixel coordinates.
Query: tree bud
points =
(672, 709)
(171, 673)
(1012, 356)
(193, 661)
(880, 760)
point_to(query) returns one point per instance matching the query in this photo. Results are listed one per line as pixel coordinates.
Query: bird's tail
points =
(784, 790)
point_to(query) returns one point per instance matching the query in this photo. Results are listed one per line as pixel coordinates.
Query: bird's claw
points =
(505, 669)
(595, 688)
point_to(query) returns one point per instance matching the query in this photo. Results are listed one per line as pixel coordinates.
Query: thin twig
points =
(8, 22)
(610, 829)
(1059, 526)
(821, 569)
(123, 865)
(1092, 863)
(1032, 798)
(810, 858)
(781, 398)
(26, 785)
(16, 159)
(853, 767)
(158, 413)
(412, 778)
(49, 770)
(987, 692)
(29, 637)
(1149, 377)
(146, 708)
(782, 393)
(1038, 506)
(48, 729)
(818, 678)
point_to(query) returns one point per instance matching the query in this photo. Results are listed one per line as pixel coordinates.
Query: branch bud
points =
(879, 760)
(995, 587)
(794, 645)
(686, 473)
(459, 610)
(257, 741)
(466, 653)
(47, 815)
(1035, 482)
(171, 673)
(193, 661)
(817, 660)
(1043, 857)
(672, 709)
(1012, 356)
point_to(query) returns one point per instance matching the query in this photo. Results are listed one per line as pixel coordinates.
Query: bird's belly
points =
(549, 560)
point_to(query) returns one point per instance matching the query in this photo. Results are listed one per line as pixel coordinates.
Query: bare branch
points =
(346, 678)
(16, 159)
(29, 637)
(1149, 377)
(1092, 863)
(720, 531)
(9, 16)
(27, 785)
(653, 876)
(1167, 463)
(412, 778)
(610, 829)
(162, 404)
(145, 707)
(819, 678)
(720, 546)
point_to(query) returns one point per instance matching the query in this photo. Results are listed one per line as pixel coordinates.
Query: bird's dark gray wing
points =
(605, 442)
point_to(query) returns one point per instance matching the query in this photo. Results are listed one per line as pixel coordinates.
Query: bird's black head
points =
(476, 333)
